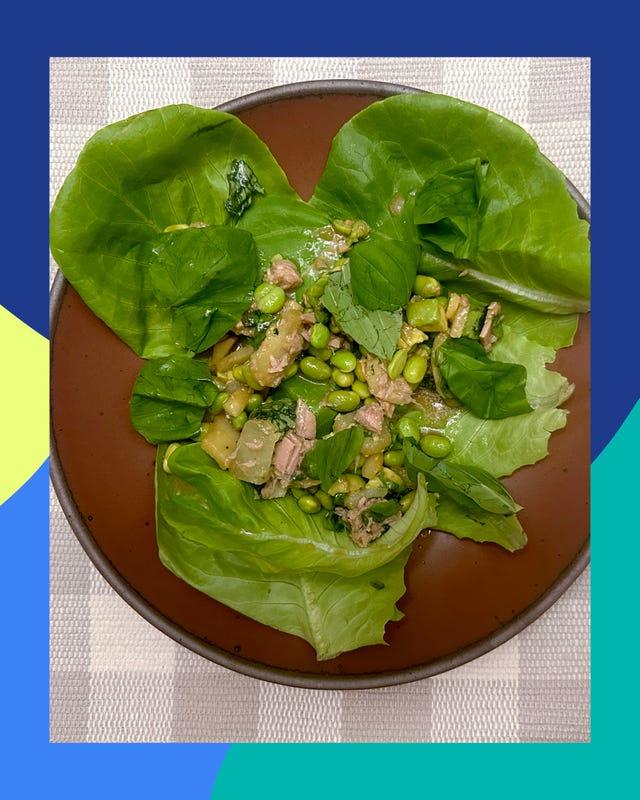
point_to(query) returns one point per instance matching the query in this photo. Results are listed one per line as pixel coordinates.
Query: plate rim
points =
(218, 655)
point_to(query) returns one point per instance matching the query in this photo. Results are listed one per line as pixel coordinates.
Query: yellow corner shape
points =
(24, 403)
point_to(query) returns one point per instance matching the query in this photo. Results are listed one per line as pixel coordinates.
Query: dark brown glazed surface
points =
(458, 592)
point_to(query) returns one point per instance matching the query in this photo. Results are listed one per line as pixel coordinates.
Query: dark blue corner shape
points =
(69, 771)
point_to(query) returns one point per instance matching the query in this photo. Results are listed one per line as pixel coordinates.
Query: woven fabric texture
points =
(113, 676)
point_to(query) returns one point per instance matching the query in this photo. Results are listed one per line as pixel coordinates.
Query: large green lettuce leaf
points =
(275, 564)
(135, 178)
(333, 613)
(531, 248)
(209, 505)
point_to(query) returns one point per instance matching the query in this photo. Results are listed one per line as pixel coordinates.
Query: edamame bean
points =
(415, 369)
(435, 445)
(343, 400)
(393, 458)
(426, 286)
(344, 360)
(269, 298)
(319, 335)
(311, 367)
(323, 353)
(309, 504)
(292, 370)
(397, 363)
(391, 479)
(406, 500)
(220, 400)
(342, 379)
(349, 482)
(427, 314)
(361, 389)
(238, 421)
(254, 401)
(325, 500)
(316, 289)
(407, 427)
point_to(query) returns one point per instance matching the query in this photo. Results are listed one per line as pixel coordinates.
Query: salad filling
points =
(303, 408)
(325, 380)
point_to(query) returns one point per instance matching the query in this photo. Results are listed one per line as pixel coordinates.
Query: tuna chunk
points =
(363, 531)
(280, 346)
(381, 386)
(371, 417)
(487, 337)
(283, 273)
(287, 457)
(305, 421)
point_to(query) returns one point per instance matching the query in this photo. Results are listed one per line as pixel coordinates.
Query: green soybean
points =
(406, 500)
(426, 286)
(343, 400)
(407, 427)
(427, 314)
(269, 298)
(436, 445)
(292, 370)
(349, 482)
(342, 379)
(344, 360)
(319, 335)
(216, 406)
(316, 289)
(254, 401)
(309, 504)
(323, 353)
(325, 499)
(311, 367)
(397, 363)
(238, 421)
(361, 389)
(393, 458)
(415, 369)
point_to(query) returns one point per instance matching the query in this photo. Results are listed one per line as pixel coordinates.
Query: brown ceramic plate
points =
(462, 600)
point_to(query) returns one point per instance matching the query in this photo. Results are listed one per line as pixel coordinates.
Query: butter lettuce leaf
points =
(334, 614)
(132, 181)
(279, 566)
(196, 498)
(532, 248)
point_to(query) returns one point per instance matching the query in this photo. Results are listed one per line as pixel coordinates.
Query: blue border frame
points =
(188, 771)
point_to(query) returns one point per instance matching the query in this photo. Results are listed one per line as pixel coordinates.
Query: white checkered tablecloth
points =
(105, 687)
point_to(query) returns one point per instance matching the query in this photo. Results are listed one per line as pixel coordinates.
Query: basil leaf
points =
(243, 185)
(204, 279)
(382, 510)
(330, 457)
(491, 389)
(468, 486)
(480, 525)
(383, 272)
(378, 331)
(447, 208)
(169, 398)
(281, 412)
